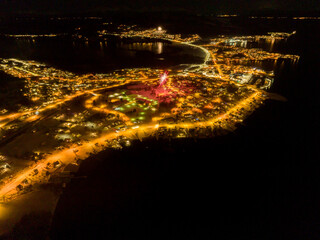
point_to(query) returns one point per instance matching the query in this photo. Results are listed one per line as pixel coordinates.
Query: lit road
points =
(66, 156)
(250, 99)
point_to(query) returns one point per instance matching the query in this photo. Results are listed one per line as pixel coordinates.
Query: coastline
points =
(26, 203)
(145, 130)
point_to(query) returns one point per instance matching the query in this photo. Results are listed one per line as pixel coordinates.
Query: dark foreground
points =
(261, 182)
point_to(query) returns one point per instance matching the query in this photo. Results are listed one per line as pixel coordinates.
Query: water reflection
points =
(159, 47)
(156, 47)
(82, 56)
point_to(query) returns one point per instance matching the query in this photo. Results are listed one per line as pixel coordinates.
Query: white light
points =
(159, 28)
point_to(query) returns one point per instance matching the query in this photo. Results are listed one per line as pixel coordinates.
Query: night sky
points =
(196, 6)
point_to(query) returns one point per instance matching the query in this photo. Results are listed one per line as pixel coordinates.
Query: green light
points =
(141, 118)
(132, 119)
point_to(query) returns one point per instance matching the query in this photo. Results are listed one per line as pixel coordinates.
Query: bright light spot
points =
(63, 136)
(163, 78)
(159, 28)
(159, 47)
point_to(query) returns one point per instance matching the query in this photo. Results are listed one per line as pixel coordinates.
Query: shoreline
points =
(74, 152)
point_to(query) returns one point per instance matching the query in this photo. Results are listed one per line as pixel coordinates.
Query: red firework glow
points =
(163, 78)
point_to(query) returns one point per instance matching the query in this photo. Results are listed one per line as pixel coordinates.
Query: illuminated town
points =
(73, 116)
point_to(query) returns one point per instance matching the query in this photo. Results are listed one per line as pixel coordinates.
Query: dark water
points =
(93, 56)
(96, 56)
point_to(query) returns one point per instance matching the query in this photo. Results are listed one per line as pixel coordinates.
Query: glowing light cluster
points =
(163, 78)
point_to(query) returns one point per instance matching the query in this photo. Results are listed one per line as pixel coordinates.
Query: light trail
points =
(215, 64)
